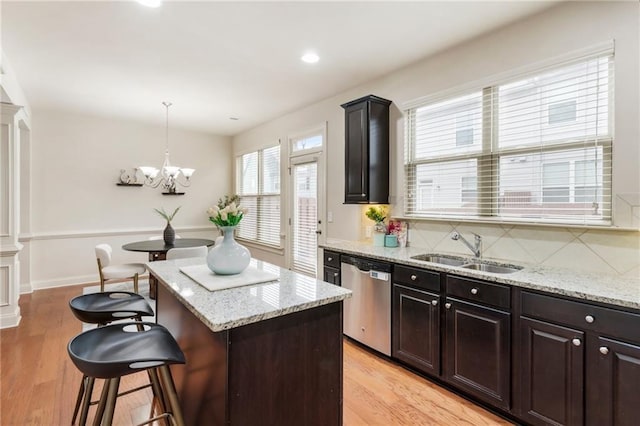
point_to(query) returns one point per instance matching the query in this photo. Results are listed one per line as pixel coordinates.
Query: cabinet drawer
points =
(479, 291)
(417, 278)
(584, 316)
(331, 258)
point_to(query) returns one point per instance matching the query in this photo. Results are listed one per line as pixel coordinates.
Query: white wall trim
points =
(26, 288)
(10, 320)
(110, 233)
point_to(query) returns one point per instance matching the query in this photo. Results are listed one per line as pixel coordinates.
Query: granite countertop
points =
(611, 289)
(225, 309)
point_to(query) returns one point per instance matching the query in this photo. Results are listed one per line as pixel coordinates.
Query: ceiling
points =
(216, 60)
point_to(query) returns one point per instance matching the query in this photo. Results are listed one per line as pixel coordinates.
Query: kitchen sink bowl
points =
(488, 267)
(441, 259)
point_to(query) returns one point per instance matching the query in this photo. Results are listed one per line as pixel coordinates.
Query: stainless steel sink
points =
(441, 259)
(488, 267)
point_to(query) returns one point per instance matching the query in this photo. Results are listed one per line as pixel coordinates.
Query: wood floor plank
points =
(39, 383)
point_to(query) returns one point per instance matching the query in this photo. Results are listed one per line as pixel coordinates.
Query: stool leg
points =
(135, 283)
(101, 403)
(79, 399)
(87, 399)
(112, 396)
(158, 397)
(170, 389)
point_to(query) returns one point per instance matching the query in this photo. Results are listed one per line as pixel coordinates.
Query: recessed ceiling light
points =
(234, 118)
(310, 58)
(150, 3)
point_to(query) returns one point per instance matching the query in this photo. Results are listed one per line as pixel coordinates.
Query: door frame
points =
(317, 155)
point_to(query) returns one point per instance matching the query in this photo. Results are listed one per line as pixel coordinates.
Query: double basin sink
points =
(474, 264)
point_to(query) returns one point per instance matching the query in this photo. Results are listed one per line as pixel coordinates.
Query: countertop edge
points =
(516, 279)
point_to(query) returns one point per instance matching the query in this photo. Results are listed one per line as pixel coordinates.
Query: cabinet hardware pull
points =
(329, 259)
(413, 278)
(576, 342)
(335, 274)
(604, 350)
(447, 305)
(434, 302)
(363, 194)
(589, 319)
(474, 291)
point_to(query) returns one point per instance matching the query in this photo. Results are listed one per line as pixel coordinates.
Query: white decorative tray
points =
(212, 282)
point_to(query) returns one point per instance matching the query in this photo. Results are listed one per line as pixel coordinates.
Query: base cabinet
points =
(552, 373)
(477, 355)
(580, 363)
(416, 328)
(613, 394)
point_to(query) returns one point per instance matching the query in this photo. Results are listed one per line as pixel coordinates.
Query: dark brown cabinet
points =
(416, 328)
(477, 353)
(367, 150)
(553, 379)
(580, 363)
(331, 267)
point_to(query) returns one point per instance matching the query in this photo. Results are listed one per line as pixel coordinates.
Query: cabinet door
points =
(331, 275)
(416, 328)
(613, 382)
(356, 153)
(477, 351)
(551, 376)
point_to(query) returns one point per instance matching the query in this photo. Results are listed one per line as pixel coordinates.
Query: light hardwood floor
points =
(38, 382)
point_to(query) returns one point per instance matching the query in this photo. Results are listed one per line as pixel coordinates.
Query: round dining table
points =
(158, 249)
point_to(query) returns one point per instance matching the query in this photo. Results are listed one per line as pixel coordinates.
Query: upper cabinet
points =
(367, 151)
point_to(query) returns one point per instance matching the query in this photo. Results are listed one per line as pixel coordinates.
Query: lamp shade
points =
(187, 172)
(149, 172)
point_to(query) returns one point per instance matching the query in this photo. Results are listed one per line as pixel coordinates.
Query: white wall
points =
(76, 162)
(558, 31)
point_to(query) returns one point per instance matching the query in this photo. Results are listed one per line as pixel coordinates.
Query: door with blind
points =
(306, 183)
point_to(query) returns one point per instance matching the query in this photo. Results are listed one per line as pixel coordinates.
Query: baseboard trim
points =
(10, 320)
(25, 288)
(71, 281)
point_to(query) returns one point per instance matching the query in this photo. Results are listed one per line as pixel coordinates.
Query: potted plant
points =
(378, 214)
(169, 233)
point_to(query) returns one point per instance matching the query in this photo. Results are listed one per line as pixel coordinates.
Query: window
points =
(258, 183)
(536, 149)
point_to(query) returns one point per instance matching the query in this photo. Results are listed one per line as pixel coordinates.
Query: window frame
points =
(260, 195)
(489, 156)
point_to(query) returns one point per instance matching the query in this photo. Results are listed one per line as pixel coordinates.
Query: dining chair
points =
(181, 253)
(109, 272)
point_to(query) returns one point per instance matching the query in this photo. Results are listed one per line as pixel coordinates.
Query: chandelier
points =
(168, 176)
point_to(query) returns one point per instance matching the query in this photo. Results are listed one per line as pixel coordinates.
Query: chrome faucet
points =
(476, 249)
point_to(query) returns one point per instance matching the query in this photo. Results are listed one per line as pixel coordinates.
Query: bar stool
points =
(116, 350)
(102, 309)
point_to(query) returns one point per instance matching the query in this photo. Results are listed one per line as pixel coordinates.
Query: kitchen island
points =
(267, 353)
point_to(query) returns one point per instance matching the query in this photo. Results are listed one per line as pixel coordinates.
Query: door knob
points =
(576, 342)
(318, 232)
(434, 302)
(447, 305)
(604, 350)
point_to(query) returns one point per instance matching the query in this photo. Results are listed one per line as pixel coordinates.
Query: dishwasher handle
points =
(366, 265)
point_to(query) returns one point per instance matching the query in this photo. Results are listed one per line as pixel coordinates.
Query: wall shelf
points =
(173, 193)
(128, 184)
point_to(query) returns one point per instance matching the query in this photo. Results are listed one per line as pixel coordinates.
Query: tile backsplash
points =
(613, 252)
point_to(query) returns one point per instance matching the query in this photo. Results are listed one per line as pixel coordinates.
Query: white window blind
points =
(258, 183)
(537, 148)
(305, 218)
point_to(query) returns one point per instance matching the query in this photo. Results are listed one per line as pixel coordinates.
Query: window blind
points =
(258, 184)
(536, 148)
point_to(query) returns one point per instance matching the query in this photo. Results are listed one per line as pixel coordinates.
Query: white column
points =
(9, 215)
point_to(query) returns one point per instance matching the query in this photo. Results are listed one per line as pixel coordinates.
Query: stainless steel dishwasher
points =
(367, 314)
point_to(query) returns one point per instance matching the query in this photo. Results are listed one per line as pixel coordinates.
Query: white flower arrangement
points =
(227, 212)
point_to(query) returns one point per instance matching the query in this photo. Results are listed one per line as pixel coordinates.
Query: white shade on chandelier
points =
(167, 175)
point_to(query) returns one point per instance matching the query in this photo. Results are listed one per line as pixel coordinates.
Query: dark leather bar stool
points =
(102, 309)
(116, 350)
